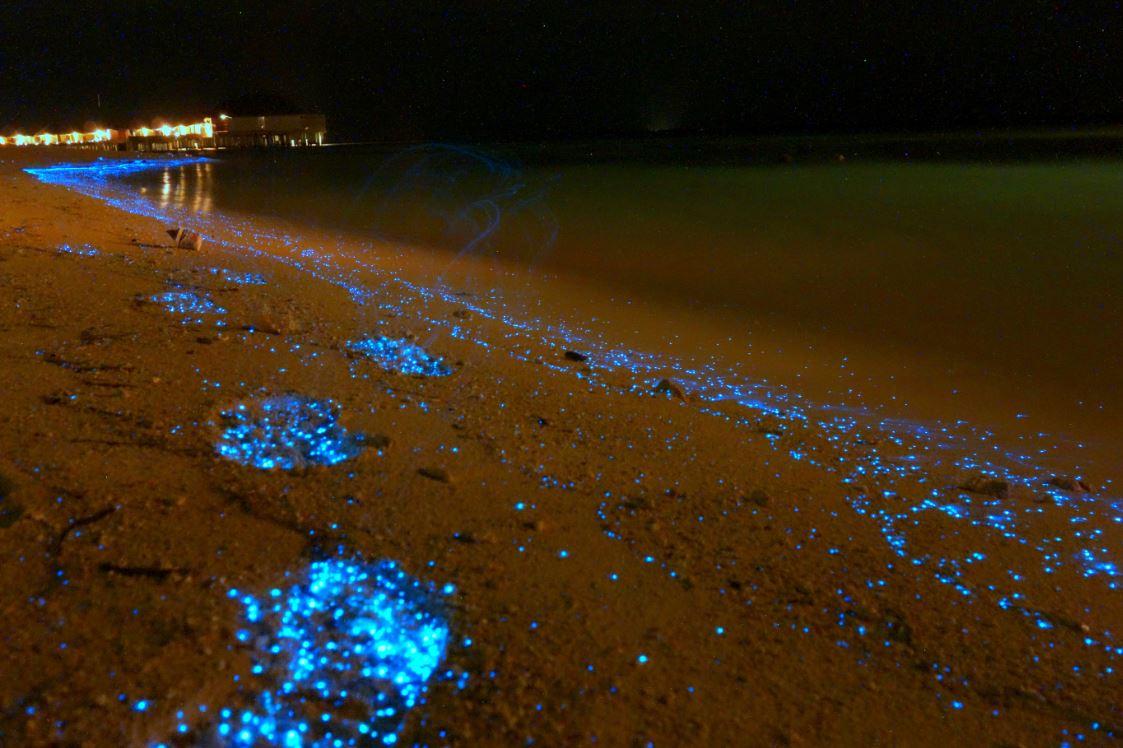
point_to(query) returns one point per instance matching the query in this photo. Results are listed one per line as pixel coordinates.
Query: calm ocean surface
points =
(987, 258)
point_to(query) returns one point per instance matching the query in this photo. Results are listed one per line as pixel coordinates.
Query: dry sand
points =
(679, 573)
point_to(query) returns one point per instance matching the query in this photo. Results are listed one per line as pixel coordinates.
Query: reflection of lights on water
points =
(400, 356)
(341, 653)
(285, 432)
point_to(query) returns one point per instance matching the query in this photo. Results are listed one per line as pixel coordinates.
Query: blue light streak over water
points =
(286, 432)
(103, 168)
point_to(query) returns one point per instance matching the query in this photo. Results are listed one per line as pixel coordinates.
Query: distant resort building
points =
(102, 139)
(275, 130)
(269, 131)
(172, 137)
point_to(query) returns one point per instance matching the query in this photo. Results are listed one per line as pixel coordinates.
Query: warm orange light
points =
(103, 135)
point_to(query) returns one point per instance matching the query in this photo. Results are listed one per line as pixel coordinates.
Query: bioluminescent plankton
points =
(239, 279)
(400, 355)
(341, 652)
(86, 250)
(285, 432)
(194, 308)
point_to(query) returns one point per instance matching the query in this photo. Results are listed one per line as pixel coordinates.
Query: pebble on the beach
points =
(999, 489)
(1074, 485)
(669, 388)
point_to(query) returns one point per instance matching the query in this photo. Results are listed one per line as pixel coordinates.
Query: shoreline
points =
(985, 367)
(771, 609)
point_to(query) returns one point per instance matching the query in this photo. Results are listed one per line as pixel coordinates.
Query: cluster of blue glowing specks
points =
(285, 432)
(401, 356)
(86, 250)
(239, 279)
(193, 308)
(340, 657)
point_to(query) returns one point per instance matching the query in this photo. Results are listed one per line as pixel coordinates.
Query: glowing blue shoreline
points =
(704, 384)
(106, 168)
(902, 453)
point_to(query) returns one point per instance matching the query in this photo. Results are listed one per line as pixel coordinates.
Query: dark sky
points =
(416, 69)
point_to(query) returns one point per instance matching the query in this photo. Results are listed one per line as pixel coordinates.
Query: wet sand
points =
(706, 562)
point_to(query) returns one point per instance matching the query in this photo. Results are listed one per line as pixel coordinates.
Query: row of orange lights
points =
(47, 138)
(204, 129)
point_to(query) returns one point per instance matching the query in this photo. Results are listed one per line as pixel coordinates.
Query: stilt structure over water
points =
(282, 130)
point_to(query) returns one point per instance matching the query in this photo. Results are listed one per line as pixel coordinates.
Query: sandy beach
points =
(607, 547)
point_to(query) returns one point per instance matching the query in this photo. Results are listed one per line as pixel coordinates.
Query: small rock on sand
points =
(979, 484)
(575, 356)
(275, 322)
(670, 388)
(1075, 485)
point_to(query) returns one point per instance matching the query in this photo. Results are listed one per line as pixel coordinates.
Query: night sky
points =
(421, 70)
